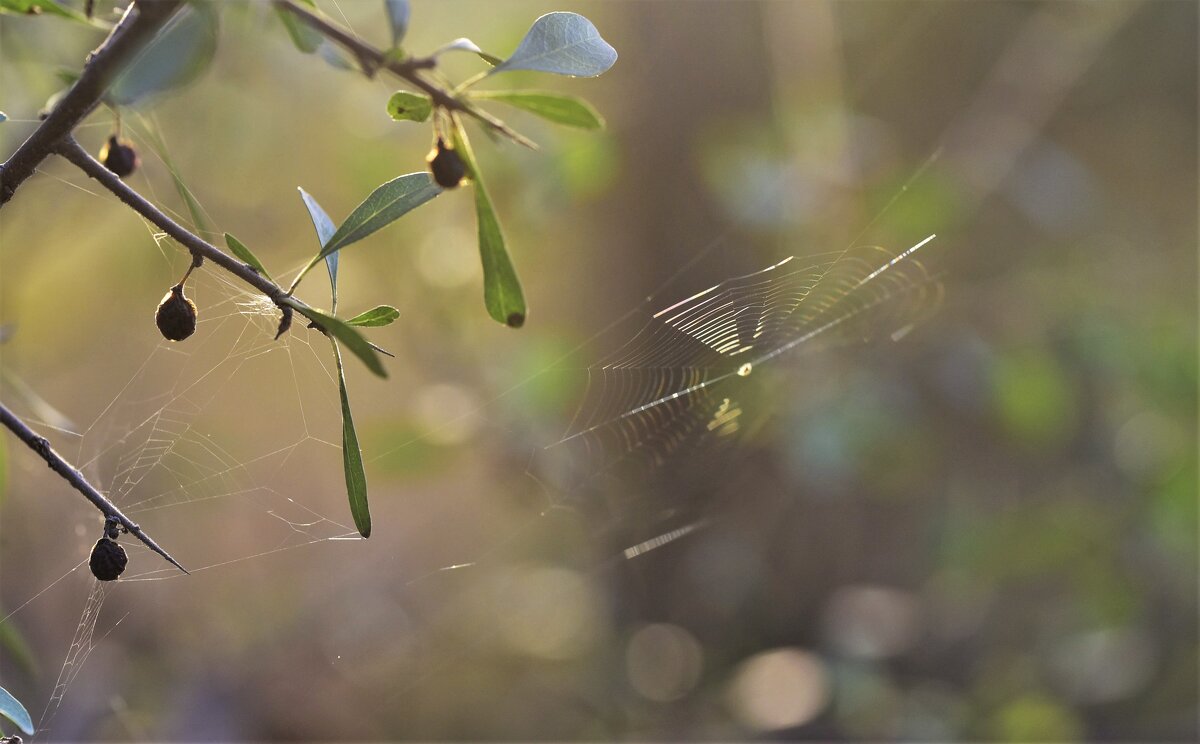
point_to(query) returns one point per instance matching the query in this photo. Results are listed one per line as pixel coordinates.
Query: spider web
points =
(162, 451)
(665, 401)
(659, 413)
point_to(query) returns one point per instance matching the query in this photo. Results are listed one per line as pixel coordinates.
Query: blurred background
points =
(986, 530)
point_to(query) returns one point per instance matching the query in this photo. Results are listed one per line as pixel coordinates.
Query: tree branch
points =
(141, 21)
(373, 59)
(70, 474)
(74, 152)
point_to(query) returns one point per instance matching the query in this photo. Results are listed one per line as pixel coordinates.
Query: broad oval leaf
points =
(397, 13)
(177, 55)
(406, 106)
(350, 338)
(239, 249)
(463, 44)
(12, 709)
(376, 316)
(555, 107)
(502, 293)
(564, 44)
(385, 205)
(352, 464)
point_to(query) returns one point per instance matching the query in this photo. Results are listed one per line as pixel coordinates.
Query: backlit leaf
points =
(502, 294)
(406, 106)
(12, 709)
(564, 44)
(352, 463)
(376, 316)
(397, 13)
(555, 107)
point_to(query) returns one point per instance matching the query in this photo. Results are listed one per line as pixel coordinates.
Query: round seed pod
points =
(176, 315)
(108, 559)
(446, 165)
(119, 157)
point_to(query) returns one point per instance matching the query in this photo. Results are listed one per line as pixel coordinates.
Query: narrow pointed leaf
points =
(352, 463)
(350, 338)
(464, 44)
(502, 294)
(564, 44)
(376, 316)
(12, 709)
(405, 106)
(177, 55)
(306, 38)
(321, 222)
(239, 249)
(325, 230)
(331, 265)
(397, 12)
(385, 205)
(555, 107)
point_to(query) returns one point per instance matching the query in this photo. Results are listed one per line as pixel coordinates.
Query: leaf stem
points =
(70, 474)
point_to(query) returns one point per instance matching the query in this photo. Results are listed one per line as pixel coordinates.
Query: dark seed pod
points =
(119, 157)
(446, 165)
(108, 559)
(176, 315)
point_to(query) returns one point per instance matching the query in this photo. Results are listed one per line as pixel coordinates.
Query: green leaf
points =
(405, 106)
(352, 464)
(397, 13)
(502, 294)
(325, 230)
(12, 709)
(555, 107)
(321, 222)
(385, 205)
(30, 7)
(306, 38)
(350, 338)
(376, 316)
(564, 44)
(177, 55)
(464, 44)
(247, 256)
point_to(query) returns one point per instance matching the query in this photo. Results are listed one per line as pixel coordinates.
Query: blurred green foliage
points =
(986, 530)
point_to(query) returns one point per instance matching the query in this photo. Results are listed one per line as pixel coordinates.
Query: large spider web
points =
(659, 407)
(659, 414)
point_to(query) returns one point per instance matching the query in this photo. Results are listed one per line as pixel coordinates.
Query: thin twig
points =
(74, 152)
(372, 59)
(70, 474)
(140, 22)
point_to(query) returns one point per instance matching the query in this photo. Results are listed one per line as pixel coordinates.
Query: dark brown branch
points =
(373, 59)
(70, 474)
(72, 151)
(139, 24)
(409, 69)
